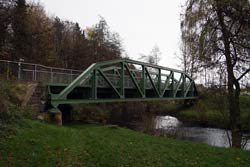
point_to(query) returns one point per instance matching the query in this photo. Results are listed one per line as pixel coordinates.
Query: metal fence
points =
(12, 70)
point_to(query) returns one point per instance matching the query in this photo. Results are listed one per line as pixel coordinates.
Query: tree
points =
(20, 32)
(67, 43)
(156, 54)
(57, 36)
(106, 45)
(27, 32)
(188, 58)
(6, 7)
(220, 32)
(39, 34)
(153, 57)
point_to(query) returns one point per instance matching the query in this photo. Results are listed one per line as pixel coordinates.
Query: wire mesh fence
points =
(12, 70)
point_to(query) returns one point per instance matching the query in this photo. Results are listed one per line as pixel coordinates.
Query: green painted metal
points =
(166, 85)
(89, 101)
(122, 90)
(124, 80)
(109, 82)
(143, 79)
(94, 84)
(159, 81)
(75, 83)
(134, 81)
(178, 85)
(152, 82)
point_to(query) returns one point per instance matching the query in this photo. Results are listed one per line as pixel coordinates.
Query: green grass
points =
(41, 144)
(213, 111)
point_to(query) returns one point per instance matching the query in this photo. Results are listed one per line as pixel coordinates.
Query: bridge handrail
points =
(39, 65)
(36, 72)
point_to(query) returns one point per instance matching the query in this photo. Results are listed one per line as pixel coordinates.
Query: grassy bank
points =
(40, 144)
(211, 111)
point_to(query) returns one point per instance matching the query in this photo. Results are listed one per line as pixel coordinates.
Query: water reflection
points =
(167, 122)
(211, 136)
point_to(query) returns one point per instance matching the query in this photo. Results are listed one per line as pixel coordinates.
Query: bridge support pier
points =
(57, 118)
(61, 114)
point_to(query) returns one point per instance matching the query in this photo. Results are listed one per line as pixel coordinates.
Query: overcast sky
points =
(140, 23)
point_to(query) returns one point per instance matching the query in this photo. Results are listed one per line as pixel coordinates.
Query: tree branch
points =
(240, 26)
(235, 56)
(242, 75)
(242, 45)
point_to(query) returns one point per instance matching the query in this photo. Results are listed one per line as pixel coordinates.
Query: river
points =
(213, 136)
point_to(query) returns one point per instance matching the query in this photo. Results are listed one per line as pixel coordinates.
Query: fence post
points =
(8, 69)
(51, 75)
(19, 71)
(35, 72)
(71, 77)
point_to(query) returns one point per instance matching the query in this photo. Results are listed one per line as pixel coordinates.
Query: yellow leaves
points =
(90, 33)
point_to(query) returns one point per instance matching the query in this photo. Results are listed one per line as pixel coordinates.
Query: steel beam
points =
(166, 85)
(119, 70)
(134, 81)
(152, 82)
(109, 83)
(87, 101)
(76, 82)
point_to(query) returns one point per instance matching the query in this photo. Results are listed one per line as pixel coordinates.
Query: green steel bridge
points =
(123, 80)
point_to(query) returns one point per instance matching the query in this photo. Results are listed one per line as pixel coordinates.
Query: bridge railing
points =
(12, 70)
(115, 80)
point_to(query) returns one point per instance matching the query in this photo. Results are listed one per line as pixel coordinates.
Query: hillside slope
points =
(40, 144)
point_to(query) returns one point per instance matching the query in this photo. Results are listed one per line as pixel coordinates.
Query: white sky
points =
(140, 23)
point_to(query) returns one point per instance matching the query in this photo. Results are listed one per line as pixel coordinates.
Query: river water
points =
(212, 136)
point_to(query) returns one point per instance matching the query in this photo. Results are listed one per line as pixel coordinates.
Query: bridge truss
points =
(123, 80)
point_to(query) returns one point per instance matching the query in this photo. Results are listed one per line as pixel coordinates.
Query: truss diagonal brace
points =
(75, 83)
(152, 82)
(188, 88)
(178, 85)
(166, 83)
(108, 81)
(134, 80)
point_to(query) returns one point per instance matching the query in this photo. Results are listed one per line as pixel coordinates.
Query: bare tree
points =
(153, 57)
(219, 30)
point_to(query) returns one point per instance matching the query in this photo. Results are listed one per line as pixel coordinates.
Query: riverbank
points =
(210, 111)
(41, 144)
(172, 127)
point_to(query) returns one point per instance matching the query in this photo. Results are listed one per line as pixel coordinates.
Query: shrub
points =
(90, 113)
(10, 112)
